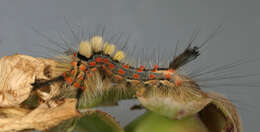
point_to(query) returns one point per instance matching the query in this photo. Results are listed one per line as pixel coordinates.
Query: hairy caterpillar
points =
(95, 75)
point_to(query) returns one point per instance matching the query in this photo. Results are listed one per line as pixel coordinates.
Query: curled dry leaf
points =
(221, 115)
(41, 118)
(17, 73)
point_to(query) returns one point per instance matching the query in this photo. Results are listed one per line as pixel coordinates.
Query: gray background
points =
(149, 23)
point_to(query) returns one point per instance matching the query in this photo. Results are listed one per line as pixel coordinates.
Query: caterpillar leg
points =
(170, 100)
(79, 93)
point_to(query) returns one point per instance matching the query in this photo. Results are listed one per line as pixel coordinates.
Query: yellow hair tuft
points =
(119, 55)
(96, 42)
(109, 49)
(85, 49)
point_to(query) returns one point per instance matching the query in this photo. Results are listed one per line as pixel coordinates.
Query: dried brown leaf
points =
(17, 73)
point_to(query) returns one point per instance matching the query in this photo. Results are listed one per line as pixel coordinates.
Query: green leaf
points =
(98, 121)
(152, 122)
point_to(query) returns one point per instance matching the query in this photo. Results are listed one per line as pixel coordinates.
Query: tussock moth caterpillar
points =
(95, 74)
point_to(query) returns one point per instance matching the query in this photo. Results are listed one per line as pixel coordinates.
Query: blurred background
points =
(150, 24)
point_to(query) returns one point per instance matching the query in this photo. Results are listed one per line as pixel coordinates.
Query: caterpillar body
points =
(95, 72)
(96, 75)
(84, 62)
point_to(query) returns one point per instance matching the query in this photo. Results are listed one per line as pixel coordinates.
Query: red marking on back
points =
(65, 74)
(121, 71)
(99, 59)
(155, 68)
(135, 81)
(153, 81)
(103, 67)
(178, 82)
(90, 74)
(118, 77)
(136, 76)
(151, 76)
(74, 55)
(167, 76)
(83, 88)
(171, 70)
(77, 85)
(80, 77)
(93, 69)
(73, 72)
(140, 69)
(106, 60)
(92, 63)
(126, 66)
(68, 80)
(111, 66)
(108, 72)
(82, 67)
(74, 63)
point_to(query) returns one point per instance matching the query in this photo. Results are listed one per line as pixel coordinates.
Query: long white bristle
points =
(109, 49)
(96, 43)
(85, 49)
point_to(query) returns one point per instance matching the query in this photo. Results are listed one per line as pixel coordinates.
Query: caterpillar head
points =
(172, 100)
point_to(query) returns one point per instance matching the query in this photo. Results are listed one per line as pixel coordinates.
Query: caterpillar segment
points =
(102, 58)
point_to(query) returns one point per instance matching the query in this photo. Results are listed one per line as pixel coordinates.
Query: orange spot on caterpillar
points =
(111, 66)
(135, 81)
(77, 85)
(155, 68)
(68, 80)
(107, 70)
(74, 55)
(80, 77)
(82, 67)
(178, 82)
(151, 76)
(121, 71)
(83, 88)
(99, 59)
(92, 63)
(93, 69)
(73, 72)
(65, 74)
(136, 76)
(119, 78)
(167, 76)
(74, 63)
(126, 66)
(106, 61)
(140, 69)
(89, 74)
(171, 70)
(153, 81)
